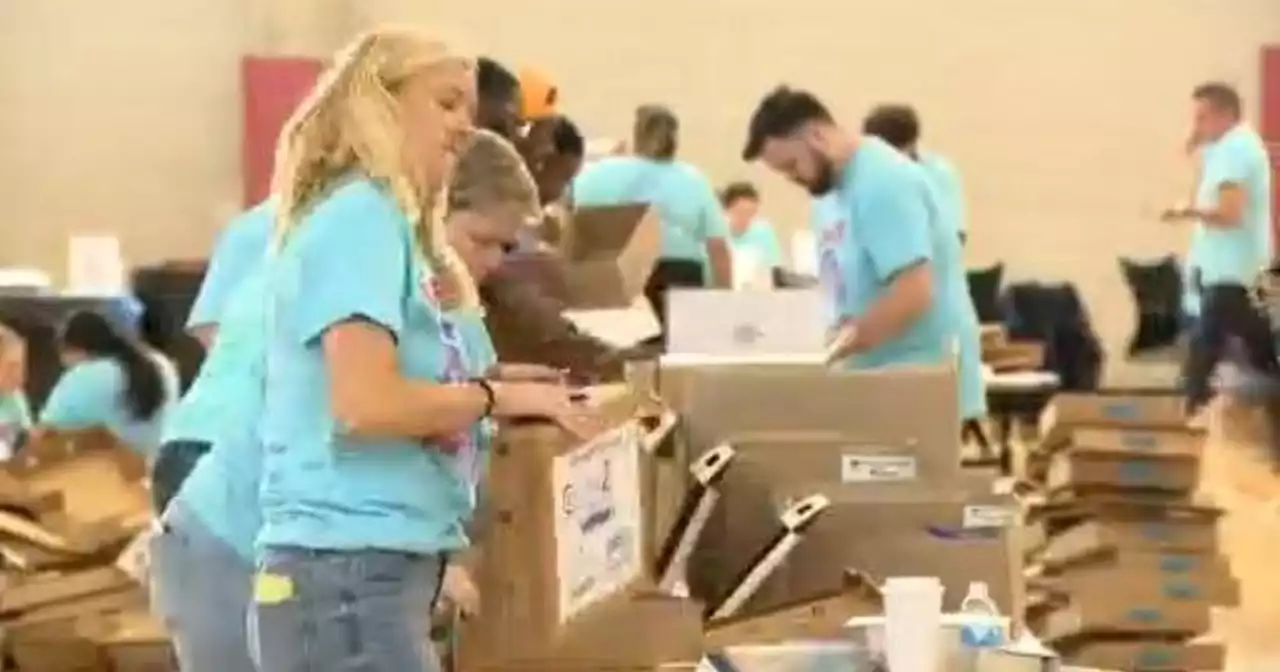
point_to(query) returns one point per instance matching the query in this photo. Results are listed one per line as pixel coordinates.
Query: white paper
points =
(749, 270)
(598, 522)
(877, 468)
(95, 266)
(985, 516)
(618, 327)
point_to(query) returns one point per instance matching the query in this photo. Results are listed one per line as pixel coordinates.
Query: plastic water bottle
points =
(982, 627)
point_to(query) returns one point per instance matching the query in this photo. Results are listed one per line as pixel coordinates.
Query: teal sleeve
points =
(1232, 163)
(353, 260)
(713, 223)
(84, 396)
(240, 248)
(892, 226)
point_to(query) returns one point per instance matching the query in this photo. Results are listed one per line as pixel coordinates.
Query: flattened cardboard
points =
(37, 591)
(863, 407)
(1135, 442)
(1124, 616)
(1152, 656)
(1165, 587)
(1133, 409)
(609, 253)
(1080, 470)
(1194, 536)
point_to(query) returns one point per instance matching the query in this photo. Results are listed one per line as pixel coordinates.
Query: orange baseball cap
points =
(538, 94)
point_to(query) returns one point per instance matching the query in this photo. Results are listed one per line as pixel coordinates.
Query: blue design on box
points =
(1145, 615)
(954, 533)
(1177, 564)
(1120, 411)
(1138, 441)
(1181, 590)
(1137, 472)
(983, 636)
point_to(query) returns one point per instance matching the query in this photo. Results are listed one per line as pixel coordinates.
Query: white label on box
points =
(877, 468)
(978, 516)
(596, 505)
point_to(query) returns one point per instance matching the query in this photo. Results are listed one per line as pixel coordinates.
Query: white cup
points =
(913, 623)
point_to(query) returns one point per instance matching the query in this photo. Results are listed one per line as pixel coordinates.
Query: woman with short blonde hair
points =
(375, 394)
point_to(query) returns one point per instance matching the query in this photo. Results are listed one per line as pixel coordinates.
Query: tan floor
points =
(1239, 480)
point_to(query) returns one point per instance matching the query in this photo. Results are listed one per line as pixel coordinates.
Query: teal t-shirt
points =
(949, 195)
(224, 408)
(1234, 255)
(685, 201)
(91, 393)
(15, 418)
(760, 239)
(353, 256)
(891, 222)
(238, 251)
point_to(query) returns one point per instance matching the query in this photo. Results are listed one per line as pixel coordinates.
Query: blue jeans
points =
(344, 611)
(200, 588)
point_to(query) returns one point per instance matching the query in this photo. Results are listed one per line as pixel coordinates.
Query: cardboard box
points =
(1190, 587)
(882, 529)
(609, 253)
(1084, 471)
(896, 411)
(563, 569)
(1152, 656)
(1089, 539)
(1124, 615)
(811, 619)
(1131, 409)
(1133, 442)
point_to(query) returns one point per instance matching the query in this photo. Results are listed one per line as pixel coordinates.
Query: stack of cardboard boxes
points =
(1003, 354)
(1126, 564)
(72, 600)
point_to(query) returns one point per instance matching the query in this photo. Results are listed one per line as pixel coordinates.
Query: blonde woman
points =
(373, 395)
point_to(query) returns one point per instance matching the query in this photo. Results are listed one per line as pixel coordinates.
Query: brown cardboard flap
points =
(1137, 442)
(818, 618)
(38, 591)
(609, 253)
(1149, 656)
(1154, 587)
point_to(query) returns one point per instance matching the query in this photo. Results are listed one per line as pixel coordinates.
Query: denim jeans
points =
(344, 611)
(200, 588)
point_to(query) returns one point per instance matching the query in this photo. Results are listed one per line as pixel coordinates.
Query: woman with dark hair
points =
(110, 380)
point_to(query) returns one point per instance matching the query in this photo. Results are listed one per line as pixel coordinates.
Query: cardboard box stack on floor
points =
(1127, 569)
(881, 447)
(72, 602)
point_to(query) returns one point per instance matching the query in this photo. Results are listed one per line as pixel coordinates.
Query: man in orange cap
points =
(539, 95)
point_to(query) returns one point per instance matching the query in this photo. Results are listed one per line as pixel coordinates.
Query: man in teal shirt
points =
(897, 280)
(899, 125)
(1232, 242)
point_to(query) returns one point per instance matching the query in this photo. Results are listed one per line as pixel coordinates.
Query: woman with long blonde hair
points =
(375, 394)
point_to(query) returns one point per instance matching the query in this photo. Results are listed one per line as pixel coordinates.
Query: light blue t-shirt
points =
(1234, 255)
(761, 240)
(686, 202)
(91, 393)
(945, 180)
(224, 407)
(891, 222)
(353, 256)
(239, 250)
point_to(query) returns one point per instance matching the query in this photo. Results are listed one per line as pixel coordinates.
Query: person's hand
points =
(458, 589)
(554, 402)
(841, 342)
(528, 373)
(1177, 214)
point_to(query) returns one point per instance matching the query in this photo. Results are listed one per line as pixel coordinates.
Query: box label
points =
(987, 516)
(598, 519)
(877, 468)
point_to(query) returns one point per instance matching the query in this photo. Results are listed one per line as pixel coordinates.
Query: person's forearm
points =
(1214, 218)
(721, 262)
(412, 408)
(906, 301)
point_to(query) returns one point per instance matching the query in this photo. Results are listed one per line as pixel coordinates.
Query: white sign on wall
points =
(598, 521)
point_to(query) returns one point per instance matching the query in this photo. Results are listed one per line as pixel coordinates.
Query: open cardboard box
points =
(563, 570)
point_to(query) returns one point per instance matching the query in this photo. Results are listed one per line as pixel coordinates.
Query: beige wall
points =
(1065, 118)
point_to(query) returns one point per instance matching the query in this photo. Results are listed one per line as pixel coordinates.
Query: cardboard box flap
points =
(1149, 656)
(1125, 506)
(57, 447)
(1137, 442)
(1140, 408)
(609, 254)
(1081, 620)
(822, 617)
(39, 591)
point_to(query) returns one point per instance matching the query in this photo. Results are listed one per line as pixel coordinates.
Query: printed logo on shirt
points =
(831, 274)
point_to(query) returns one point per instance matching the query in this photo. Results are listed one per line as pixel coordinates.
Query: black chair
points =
(984, 290)
(1157, 291)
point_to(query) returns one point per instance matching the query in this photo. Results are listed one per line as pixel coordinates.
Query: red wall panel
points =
(272, 89)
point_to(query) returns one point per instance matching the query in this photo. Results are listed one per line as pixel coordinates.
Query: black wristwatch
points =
(490, 398)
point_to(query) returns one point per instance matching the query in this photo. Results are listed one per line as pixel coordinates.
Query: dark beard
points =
(825, 180)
